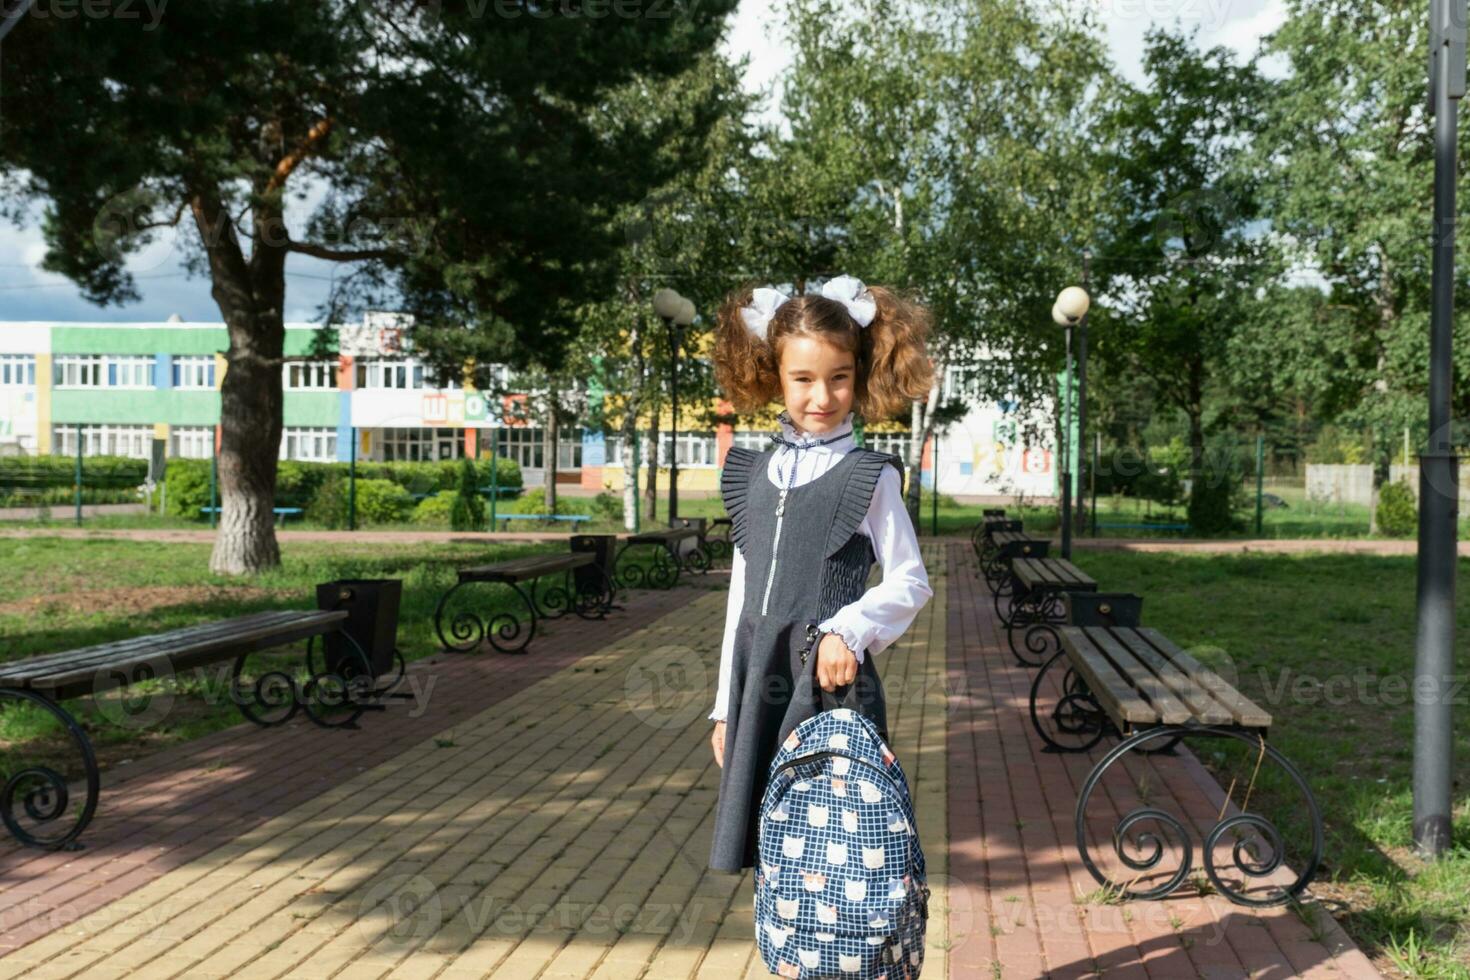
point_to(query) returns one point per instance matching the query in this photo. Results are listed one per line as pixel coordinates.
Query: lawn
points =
(1326, 643)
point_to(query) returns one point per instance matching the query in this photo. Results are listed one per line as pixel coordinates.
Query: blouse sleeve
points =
(727, 645)
(881, 615)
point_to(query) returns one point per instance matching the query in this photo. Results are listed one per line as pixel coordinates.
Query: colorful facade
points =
(144, 389)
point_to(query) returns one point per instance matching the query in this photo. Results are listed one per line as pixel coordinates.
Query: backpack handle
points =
(846, 694)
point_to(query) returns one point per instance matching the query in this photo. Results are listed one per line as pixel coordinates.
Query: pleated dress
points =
(801, 567)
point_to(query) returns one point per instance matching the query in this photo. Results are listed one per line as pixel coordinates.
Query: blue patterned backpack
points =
(840, 888)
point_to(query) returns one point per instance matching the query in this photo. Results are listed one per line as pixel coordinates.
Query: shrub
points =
(186, 484)
(467, 513)
(434, 511)
(31, 480)
(1398, 516)
(378, 502)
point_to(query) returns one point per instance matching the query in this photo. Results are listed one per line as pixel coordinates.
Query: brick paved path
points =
(549, 816)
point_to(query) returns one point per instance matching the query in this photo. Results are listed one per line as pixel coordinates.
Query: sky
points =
(29, 293)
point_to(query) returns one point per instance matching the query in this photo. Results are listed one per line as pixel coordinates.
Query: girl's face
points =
(817, 383)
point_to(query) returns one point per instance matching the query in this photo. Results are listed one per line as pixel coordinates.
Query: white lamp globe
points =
(666, 303)
(1060, 318)
(685, 314)
(1073, 302)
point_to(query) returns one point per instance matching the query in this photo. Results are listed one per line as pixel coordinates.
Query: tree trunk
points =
(650, 493)
(1196, 411)
(250, 295)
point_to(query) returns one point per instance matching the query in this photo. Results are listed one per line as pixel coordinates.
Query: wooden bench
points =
(1008, 545)
(982, 534)
(1035, 598)
(38, 800)
(463, 629)
(1134, 682)
(667, 562)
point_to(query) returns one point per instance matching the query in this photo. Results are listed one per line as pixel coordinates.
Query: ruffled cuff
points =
(855, 641)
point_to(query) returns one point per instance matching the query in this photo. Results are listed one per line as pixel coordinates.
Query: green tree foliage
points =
(465, 175)
(467, 513)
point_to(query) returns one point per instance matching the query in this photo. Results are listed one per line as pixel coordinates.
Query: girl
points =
(809, 516)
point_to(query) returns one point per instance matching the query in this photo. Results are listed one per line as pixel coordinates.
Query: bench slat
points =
(1196, 697)
(1171, 711)
(181, 637)
(1245, 711)
(224, 640)
(529, 567)
(1116, 695)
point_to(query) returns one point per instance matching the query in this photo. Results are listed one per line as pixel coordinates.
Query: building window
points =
(191, 442)
(74, 371)
(308, 375)
(129, 372)
(695, 448)
(962, 383)
(524, 444)
(569, 449)
(415, 445)
(103, 440)
(17, 371)
(407, 375)
(194, 373)
(313, 444)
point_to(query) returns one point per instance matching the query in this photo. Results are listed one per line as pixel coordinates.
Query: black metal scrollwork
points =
(1257, 848)
(38, 804)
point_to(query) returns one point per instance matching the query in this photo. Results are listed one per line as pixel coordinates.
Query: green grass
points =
(1326, 644)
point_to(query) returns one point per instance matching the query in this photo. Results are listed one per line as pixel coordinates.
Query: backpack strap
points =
(734, 488)
(852, 506)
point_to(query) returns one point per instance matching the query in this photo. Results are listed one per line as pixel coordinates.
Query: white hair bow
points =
(763, 306)
(852, 293)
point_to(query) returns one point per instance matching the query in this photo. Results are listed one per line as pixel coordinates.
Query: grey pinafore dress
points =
(821, 563)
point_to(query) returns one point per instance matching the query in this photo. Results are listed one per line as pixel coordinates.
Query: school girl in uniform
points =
(809, 517)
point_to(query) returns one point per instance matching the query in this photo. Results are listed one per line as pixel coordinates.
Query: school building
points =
(152, 389)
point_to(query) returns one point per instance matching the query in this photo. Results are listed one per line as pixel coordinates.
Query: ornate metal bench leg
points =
(1076, 715)
(268, 700)
(337, 698)
(510, 627)
(35, 797)
(1252, 832)
(557, 600)
(468, 630)
(1039, 642)
(596, 602)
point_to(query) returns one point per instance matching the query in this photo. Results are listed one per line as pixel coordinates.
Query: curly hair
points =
(893, 368)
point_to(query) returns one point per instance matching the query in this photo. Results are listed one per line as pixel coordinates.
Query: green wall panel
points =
(179, 407)
(322, 408)
(163, 340)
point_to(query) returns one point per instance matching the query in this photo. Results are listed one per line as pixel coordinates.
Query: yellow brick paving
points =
(562, 833)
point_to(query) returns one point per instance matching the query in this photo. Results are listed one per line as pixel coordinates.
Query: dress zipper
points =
(771, 575)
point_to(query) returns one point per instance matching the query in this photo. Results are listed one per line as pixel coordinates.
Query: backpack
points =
(840, 887)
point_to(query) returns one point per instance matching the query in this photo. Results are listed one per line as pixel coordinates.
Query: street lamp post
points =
(1434, 650)
(677, 314)
(1070, 310)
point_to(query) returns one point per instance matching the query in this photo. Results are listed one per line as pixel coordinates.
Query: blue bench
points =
(281, 512)
(571, 518)
(1176, 528)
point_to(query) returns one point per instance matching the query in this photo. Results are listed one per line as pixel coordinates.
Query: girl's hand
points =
(836, 663)
(717, 743)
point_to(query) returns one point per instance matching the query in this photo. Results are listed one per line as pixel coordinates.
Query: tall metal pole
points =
(352, 479)
(674, 423)
(77, 486)
(494, 475)
(1067, 453)
(1438, 466)
(934, 499)
(1082, 394)
(1260, 480)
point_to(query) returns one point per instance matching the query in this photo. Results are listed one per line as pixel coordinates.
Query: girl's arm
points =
(732, 619)
(881, 615)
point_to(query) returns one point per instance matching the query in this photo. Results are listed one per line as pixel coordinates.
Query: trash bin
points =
(1103, 608)
(372, 620)
(605, 547)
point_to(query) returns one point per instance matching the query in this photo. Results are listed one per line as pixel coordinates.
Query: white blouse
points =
(881, 614)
